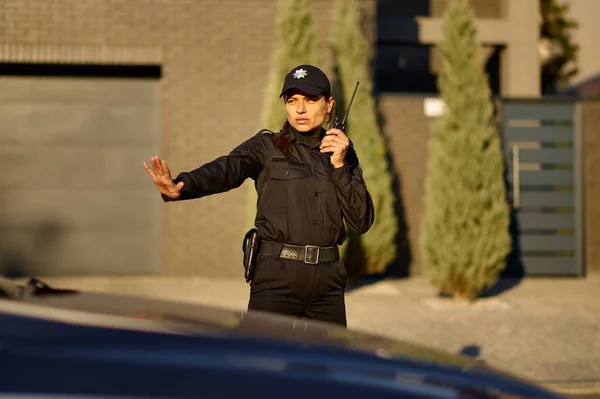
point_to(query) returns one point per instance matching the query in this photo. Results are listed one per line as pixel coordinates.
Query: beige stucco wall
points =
(516, 30)
(587, 14)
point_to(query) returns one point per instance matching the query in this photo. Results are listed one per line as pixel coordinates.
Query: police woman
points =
(308, 182)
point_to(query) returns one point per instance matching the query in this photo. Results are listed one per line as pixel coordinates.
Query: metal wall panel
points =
(544, 175)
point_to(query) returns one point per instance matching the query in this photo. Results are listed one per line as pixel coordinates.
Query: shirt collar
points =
(296, 136)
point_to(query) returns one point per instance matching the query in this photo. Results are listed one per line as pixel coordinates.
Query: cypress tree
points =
(296, 44)
(465, 233)
(559, 55)
(376, 249)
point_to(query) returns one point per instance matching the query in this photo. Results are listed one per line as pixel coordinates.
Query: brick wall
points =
(591, 153)
(406, 129)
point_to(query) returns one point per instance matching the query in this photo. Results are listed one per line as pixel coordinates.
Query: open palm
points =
(161, 176)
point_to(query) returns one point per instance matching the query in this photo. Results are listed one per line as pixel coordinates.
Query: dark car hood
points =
(129, 312)
(213, 325)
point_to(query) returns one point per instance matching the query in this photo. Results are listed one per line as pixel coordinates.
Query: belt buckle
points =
(306, 248)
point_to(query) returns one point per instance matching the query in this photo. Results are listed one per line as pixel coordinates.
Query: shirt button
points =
(315, 169)
(316, 193)
(315, 222)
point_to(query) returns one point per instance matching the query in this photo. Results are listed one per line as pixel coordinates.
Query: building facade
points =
(408, 31)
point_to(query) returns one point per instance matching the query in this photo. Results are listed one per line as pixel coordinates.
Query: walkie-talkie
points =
(342, 125)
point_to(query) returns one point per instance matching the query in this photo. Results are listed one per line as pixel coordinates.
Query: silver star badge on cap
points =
(300, 74)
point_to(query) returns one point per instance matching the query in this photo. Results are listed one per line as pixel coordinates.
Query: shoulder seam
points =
(264, 131)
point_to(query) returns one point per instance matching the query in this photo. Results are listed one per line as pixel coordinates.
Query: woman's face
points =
(305, 112)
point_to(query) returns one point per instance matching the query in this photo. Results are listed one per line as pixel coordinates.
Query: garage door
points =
(74, 197)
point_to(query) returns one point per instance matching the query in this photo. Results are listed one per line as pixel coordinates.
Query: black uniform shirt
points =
(302, 198)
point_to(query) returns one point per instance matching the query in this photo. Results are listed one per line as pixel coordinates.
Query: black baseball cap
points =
(308, 79)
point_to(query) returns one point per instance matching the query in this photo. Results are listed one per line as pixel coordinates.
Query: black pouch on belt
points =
(250, 248)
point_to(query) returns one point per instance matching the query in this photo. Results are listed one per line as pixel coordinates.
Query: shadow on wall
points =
(33, 254)
(514, 271)
(514, 266)
(400, 267)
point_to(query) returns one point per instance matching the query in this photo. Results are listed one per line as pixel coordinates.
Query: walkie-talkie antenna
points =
(336, 124)
(350, 104)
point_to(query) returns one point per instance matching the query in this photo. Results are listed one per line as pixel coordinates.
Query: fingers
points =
(160, 168)
(336, 135)
(333, 149)
(155, 163)
(334, 140)
(159, 171)
(335, 132)
(165, 168)
(150, 171)
(334, 143)
(161, 176)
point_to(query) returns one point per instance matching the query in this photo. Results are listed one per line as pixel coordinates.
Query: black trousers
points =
(298, 289)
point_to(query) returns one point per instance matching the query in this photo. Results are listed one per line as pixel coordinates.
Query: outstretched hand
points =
(335, 142)
(161, 176)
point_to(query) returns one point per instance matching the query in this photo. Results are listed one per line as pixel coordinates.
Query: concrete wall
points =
(586, 13)
(516, 30)
(481, 8)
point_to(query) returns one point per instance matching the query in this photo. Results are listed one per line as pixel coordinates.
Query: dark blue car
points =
(66, 343)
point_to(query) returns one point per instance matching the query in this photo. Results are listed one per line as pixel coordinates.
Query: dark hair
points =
(284, 141)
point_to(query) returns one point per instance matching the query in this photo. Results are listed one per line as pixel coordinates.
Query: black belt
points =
(310, 254)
